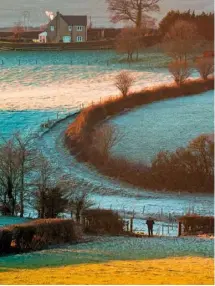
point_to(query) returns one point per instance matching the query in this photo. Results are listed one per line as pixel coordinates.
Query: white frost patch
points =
(54, 89)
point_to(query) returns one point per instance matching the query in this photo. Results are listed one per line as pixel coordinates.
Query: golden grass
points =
(172, 271)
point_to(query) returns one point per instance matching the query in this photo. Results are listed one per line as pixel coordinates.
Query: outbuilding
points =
(43, 37)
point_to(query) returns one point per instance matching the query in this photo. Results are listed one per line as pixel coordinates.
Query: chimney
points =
(57, 26)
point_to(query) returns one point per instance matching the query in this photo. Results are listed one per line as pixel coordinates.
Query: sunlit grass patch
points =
(172, 271)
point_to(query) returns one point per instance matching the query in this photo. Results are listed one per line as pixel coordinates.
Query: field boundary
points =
(79, 135)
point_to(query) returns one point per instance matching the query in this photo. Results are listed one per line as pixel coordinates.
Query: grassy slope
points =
(172, 271)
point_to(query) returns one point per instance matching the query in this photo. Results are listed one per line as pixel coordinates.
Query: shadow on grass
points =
(110, 249)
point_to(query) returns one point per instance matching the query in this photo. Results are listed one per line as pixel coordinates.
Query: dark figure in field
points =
(150, 223)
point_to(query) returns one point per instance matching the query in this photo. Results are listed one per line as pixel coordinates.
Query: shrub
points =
(205, 66)
(187, 168)
(104, 139)
(123, 82)
(5, 240)
(180, 71)
(43, 232)
(103, 221)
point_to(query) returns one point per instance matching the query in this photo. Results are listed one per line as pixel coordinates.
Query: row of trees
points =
(137, 13)
(28, 179)
(204, 22)
(182, 43)
(182, 33)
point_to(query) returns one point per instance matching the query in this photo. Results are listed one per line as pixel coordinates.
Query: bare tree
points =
(205, 66)
(203, 149)
(18, 30)
(134, 11)
(123, 82)
(104, 139)
(9, 174)
(182, 40)
(43, 182)
(77, 195)
(180, 71)
(129, 41)
(27, 156)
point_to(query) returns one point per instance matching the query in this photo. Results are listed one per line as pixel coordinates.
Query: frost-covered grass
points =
(8, 220)
(54, 85)
(109, 193)
(171, 271)
(164, 125)
(112, 248)
(68, 79)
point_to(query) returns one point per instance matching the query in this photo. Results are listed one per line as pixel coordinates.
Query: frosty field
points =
(164, 125)
(109, 249)
(55, 80)
(38, 86)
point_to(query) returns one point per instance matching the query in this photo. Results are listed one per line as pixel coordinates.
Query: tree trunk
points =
(137, 55)
(139, 16)
(78, 215)
(10, 196)
(22, 193)
(42, 206)
(131, 56)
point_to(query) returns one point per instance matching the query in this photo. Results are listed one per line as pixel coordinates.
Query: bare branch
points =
(131, 10)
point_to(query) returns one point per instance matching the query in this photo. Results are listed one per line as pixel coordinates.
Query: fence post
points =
(131, 224)
(179, 228)
(127, 226)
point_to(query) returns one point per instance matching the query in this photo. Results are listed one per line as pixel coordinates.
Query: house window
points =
(79, 39)
(70, 28)
(79, 28)
(52, 28)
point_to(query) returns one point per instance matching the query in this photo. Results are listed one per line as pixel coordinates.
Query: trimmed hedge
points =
(5, 240)
(41, 233)
(79, 135)
(101, 221)
(194, 224)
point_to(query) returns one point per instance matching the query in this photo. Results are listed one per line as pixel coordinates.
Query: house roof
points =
(75, 20)
(31, 34)
(26, 34)
(6, 34)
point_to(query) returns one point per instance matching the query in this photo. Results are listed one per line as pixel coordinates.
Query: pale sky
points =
(12, 10)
